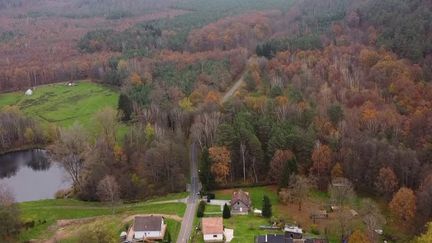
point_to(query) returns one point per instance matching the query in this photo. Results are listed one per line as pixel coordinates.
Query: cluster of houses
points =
(152, 228)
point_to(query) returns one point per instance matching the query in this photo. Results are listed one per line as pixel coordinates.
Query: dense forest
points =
(331, 89)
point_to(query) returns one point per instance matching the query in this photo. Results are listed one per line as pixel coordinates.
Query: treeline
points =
(232, 32)
(18, 131)
(271, 47)
(400, 26)
(34, 74)
(150, 161)
(145, 38)
(404, 26)
(4, 4)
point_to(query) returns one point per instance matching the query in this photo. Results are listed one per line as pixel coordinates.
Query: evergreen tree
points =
(267, 207)
(201, 209)
(125, 105)
(289, 169)
(226, 212)
(205, 175)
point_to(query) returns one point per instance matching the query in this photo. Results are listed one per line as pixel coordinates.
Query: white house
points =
(29, 92)
(212, 229)
(149, 228)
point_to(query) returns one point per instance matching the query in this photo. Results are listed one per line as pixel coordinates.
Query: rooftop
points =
(242, 196)
(273, 238)
(148, 223)
(293, 229)
(213, 225)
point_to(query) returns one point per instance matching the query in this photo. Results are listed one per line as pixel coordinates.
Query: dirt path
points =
(64, 228)
(232, 90)
(168, 216)
(239, 83)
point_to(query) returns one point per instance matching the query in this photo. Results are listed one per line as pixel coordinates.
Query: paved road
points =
(192, 201)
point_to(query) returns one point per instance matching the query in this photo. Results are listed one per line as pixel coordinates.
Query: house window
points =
(214, 236)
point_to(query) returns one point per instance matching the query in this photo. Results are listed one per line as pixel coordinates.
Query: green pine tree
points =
(226, 212)
(289, 169)
(201, 209)
(205, 175)
(125, 105)
(267, 207)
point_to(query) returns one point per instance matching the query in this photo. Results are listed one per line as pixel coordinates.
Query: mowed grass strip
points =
(62, 104)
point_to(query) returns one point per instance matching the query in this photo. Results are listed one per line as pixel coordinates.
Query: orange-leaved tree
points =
(403, 204)
(221, 157)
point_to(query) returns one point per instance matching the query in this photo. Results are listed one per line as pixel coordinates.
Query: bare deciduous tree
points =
(108, 123)
(372, 218)
(108, 190)
(341, 191)
(9, 214)
(7, 197)
(204, 128)
(298, 190)
(69, 150)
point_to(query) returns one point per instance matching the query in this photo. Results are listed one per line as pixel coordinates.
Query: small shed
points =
(29, 92)
(257, 212)
(293, 232)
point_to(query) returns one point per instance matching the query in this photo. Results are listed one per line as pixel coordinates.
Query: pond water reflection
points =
(31, 175)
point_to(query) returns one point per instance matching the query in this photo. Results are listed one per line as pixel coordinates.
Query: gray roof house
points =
(240, 202)
(148, 228)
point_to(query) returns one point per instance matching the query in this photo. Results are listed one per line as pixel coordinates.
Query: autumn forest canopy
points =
(275, 92)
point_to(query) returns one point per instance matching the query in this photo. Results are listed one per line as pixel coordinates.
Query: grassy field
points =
(63, 105)
(49, 211)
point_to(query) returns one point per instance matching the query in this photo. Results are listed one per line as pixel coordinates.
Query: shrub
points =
(314, 229)
(201, 209)
(267, 207)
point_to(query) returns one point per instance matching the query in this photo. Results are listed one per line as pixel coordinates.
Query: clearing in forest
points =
(62, 104)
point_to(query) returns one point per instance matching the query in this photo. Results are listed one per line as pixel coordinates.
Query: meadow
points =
(46, 213)
(63, 105)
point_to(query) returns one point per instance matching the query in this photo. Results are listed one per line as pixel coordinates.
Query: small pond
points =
(31, 175)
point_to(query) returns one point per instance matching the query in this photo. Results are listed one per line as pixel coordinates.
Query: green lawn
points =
(63, 105)
(246, 227)
(52, 210)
